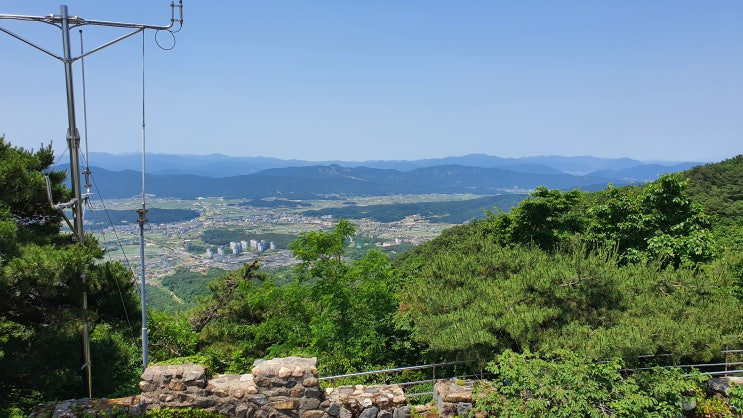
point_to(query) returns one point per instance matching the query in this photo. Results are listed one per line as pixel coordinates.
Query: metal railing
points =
(387, 374)
(712, 369)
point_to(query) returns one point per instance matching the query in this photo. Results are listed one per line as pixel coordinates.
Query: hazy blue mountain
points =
(219, 165)
(453, 212)
(212, 165)
(644, 172)
(332, 181)
(582, 164)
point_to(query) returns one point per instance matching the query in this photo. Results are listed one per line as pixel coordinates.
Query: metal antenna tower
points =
(65, 23)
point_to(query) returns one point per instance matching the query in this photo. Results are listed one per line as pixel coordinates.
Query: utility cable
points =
(143, 120)
(118, 241)
(85, 120)
(87, 172)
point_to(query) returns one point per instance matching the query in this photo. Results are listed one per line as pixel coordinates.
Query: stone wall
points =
(285, 387)
(366, 402)
(453, 397)
(274, 388)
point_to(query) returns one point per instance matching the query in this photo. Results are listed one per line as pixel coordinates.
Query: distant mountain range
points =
(188, 176)
(219, 165)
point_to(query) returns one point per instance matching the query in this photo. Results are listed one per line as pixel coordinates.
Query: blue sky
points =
(389, 79)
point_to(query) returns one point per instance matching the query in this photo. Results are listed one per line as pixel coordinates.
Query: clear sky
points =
(390, 79)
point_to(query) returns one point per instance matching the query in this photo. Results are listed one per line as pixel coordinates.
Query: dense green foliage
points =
(189, 286)
(43, 275)
(719, 188)
(620, 272)
(658, 221)
(478, 298)
(569, 385)
(163, 299)
(452, 212)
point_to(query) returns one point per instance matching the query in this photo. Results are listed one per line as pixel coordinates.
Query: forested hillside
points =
(719, 188)
(101, 219)
(453, 212)
(570, 278)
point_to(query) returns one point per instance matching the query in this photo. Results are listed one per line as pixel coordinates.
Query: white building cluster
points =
(238, 248)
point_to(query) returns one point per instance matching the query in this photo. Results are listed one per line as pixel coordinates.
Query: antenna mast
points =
(65, 23)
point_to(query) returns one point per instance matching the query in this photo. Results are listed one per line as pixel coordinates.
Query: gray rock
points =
(259, 400)
(718, 385)
(401, 412)
(463, 409)
(309, 403)
(243, 411)
(334, 409)
(384, 414)
(369, 412)
(312, 393)
(227, 409)
(688, 404)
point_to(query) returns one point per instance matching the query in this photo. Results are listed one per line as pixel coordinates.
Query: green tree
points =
(564, 384)
(170, 335)
(43, 274)
(249, 316)
(657, 221)
(321, 252)
(545, 219)
(473, 298)
(719, 188)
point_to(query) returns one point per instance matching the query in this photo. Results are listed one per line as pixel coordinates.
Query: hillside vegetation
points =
(452, 212)
(719, 188)
(568, 277)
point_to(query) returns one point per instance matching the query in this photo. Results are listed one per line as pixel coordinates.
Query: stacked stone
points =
(366, 402)
(178, 386)
(234, 394)
(87, 407)
(286, 387)
(453, 397)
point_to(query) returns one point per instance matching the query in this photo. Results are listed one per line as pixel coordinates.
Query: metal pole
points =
(73, 142)
(73, 136)
(142, 219)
